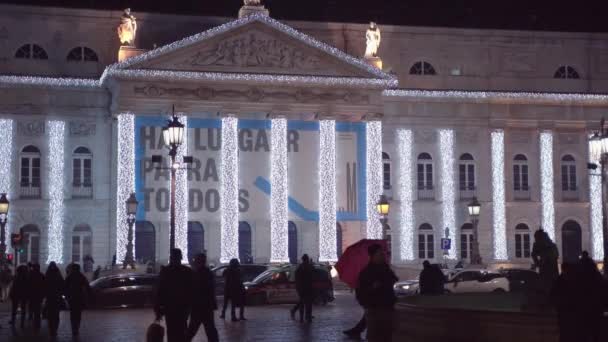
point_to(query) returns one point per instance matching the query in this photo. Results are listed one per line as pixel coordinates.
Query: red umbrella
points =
(354, 259)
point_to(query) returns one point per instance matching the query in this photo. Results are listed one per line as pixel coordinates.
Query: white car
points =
(406, 288)
(470, 280)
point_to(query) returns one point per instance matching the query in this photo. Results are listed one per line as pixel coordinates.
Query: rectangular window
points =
(526, 245)
(77, 172)
(430, 246)
(462, 177)
(76, 248)
(429, 176)
(36, 172)
(471, 176)
(34, 248)
(524, 177)
(420, 176)
(387, 176)
(518, 245)
(25, 171)
(86, 177)
(516, 178)
(464, 252)
(565, 185)
(572, 177)
(421, 246)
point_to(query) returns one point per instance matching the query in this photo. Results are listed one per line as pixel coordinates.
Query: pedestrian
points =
(55, 288)
(36, 293)
(305, 290)
(591, 303)
(174, 297)
(203, 300)
(234, 291)
(77, 291)
(6, 278)
(19, 294)
(563, 295)
(375, 293)
(426, 279)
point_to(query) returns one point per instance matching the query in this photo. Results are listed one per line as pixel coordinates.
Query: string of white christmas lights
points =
(6, 165)
(546, 183)
(125, 180)
(279, 191)
(32, 81)
(405, 194)
(498, 195)
(327, 191)
(229, 190)
(595, 211)
(56, 209)
(181, 194)
(373, 177)
(448, 199)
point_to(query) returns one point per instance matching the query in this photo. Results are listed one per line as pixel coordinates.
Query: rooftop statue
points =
(253, 2)
(127, 30)
(372, 37)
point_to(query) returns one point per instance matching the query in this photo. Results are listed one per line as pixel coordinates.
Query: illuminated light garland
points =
(537, 97)
(279, 191)
(229, 190)
(32, 81)
(546, 183)
(405, 196)
(181, 195)
(6, 165)
(596, 215)
(448, 197)
(259, 17)
(498, 195)
(327, 191)
(373, 177)
(125, 181)
(56, 164)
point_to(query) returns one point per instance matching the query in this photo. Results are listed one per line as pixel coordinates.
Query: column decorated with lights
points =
(125, 180)
(546, 183)
(327, 191)
(181, 194)
(6, 167)
(279, 191)
(405, 196)
(448, 199)
(595, 197)
(373, 177)
(56, 164)
(498, 195)
(229, 190)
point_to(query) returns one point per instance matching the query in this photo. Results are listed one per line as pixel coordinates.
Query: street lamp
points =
(4, 204)
(383, 207)
(474, 209)
(131, 212)
(598, 150)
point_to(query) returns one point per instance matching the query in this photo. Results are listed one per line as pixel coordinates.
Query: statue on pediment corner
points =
(373, 38)
(127, 30)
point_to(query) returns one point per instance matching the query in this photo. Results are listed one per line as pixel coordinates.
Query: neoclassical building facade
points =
(294, 136)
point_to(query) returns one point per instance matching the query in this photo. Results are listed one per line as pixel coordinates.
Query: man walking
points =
(36, 293)
(77, 290)
(203, 303)
(375, 294)
(174, 299)
(304, 287)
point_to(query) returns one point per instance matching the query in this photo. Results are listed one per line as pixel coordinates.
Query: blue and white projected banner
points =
(254, 160)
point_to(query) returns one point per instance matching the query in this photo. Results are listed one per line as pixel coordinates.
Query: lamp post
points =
(474, 209)
(4, 204)
(131, 212)
(383, 207)
(173, 136)
(598, 150)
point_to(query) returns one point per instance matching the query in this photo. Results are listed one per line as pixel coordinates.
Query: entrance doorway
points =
(572, 242)
(145, 242)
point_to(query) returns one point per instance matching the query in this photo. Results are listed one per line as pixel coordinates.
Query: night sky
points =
(582, 15)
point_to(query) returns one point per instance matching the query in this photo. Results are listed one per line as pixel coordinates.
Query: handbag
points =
(155, 333)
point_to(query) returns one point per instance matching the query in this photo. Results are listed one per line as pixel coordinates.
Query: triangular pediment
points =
(255, 44)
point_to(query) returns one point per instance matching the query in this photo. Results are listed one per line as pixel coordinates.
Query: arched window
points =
(520, 177)
(292, 242)
(30, 172)
(339, 239)
(82, 54)
(568, 174)
(522, 241)
(145, 242)
(466, 241)
(426, 242)
(31, 248)
(196, 239)
(245, 250)
(466, 176)
(422, 68)
(386, 163)
(82, 245)
(566, 71)
(424, 175)
(31, 51)
(82, 182)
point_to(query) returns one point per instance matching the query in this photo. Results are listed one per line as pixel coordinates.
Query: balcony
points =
(467, 193)
(570, 195)
(426, 193)
(522, 194)
(29, 190)
(82, 190)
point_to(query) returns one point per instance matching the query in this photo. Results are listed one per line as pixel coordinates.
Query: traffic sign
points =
(446, 244)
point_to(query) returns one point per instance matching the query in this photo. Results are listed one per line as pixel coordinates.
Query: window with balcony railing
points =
(466, 176)
(569, 188)
(522, 241)
(521, 187)
(29, 182)
(424, 177)
(82, 185)
(426, 242)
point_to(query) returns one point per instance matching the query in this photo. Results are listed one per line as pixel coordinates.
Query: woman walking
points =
(234, 291)
(55, 286)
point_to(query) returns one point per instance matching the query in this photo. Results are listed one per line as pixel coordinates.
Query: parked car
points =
(277, 286)
(520, 280)
(407, 288)
(248, 273)
(124, 290)
(471, 280)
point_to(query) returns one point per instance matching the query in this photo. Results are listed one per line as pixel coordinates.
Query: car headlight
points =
(246, 287)
(405, 287)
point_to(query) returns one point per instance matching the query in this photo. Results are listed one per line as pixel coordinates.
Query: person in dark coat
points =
(590, 307)
(563, 295)
(77, 291)
(305, 289)
(203, 303)
(175, 296)
(427, 286)
(19, 294)
(234, 291)
(375, 293)
(55, 287)
(36, 293)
